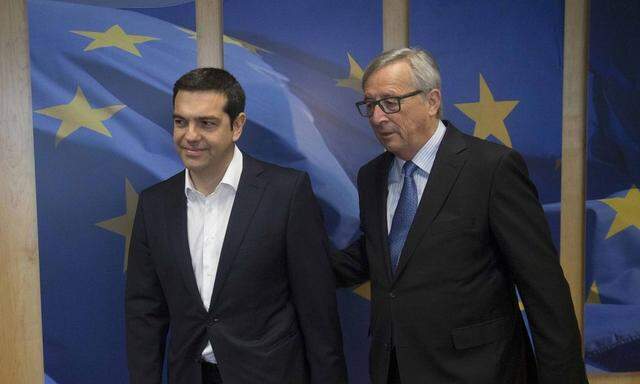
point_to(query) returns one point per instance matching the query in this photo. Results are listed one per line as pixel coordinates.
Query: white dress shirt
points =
(207, 219)
(424, 160)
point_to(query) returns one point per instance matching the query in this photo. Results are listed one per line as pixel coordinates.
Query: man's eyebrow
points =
(175, 115)
(380, 97)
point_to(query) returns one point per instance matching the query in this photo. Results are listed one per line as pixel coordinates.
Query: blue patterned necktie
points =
(403, 216)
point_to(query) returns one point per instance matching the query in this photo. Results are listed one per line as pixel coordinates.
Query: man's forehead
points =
(394, 75)
(201, 94)
(196, 104)
(200, 99)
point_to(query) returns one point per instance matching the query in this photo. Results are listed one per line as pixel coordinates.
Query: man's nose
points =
(378, 115)
(191, 133)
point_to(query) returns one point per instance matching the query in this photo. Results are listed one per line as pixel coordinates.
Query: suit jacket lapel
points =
(381, 188)
(247, 198)
(446, 167)
(177, 226)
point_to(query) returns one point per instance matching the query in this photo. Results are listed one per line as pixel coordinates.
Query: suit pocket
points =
(450, 225)
(481, 333)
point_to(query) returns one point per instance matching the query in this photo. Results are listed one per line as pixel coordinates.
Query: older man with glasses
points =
(451, 227)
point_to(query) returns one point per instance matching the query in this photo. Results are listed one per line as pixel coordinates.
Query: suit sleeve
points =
(521, 230)
(350, 265)
(146, 312)
(312, 286)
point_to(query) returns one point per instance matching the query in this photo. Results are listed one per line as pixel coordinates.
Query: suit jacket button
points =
(392, 295)
(213, 321)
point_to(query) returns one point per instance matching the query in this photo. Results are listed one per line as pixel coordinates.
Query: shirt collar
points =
(231, 176)
(423, 159)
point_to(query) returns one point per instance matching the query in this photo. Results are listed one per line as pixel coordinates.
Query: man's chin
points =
(192, 164)
(389, 145)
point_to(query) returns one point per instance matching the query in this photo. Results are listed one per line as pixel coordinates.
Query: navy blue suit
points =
(273, 313)
(451, 311)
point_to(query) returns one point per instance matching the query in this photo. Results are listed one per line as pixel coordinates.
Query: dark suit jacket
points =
(273, 314)
(451, 310)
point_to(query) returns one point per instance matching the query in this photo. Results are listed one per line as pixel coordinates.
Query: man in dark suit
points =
(229, 258)
(451, 225)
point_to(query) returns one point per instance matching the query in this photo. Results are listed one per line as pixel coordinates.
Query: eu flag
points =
(612, 326)
(102, 81)
(501, 65)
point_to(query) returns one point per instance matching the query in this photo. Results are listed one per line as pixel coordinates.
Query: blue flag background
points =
(517, 48)
(87, 176)
(102, 82)
(612, 314)
(102, 79)
(501, 67)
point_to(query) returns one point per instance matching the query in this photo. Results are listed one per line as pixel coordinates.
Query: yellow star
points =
(115, 37)
(627, 211)
(489, 114)
(192, 34)
(241, 43)
(363, 290)
(354, 81)
(229, 40)
(77, 114)
(594, 294)
(122, 225)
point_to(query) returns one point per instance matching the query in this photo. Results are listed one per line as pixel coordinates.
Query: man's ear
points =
(434, 100)
(238, 125)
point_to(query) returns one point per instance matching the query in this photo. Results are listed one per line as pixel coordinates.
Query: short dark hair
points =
(217, 80)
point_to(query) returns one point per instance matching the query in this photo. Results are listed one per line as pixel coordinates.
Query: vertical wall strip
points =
(20, 314)
(209, 33)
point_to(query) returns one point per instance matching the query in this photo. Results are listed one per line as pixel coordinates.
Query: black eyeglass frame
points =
(368, 112)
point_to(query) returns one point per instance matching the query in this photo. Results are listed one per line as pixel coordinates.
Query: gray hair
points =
(424, 69)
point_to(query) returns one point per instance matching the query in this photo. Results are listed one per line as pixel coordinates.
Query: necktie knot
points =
(409, 168)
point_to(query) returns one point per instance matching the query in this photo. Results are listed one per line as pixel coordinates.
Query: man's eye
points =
(209, 124)
(388, 103)
(370, 105)
(178, 122)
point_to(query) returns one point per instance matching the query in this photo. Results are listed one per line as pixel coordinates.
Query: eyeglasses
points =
(387, 104)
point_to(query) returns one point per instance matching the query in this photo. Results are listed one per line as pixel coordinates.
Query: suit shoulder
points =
(275, 169)
(375, 164)
(487, 156)
(162, 188)
(274, 173)
(486, 150)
